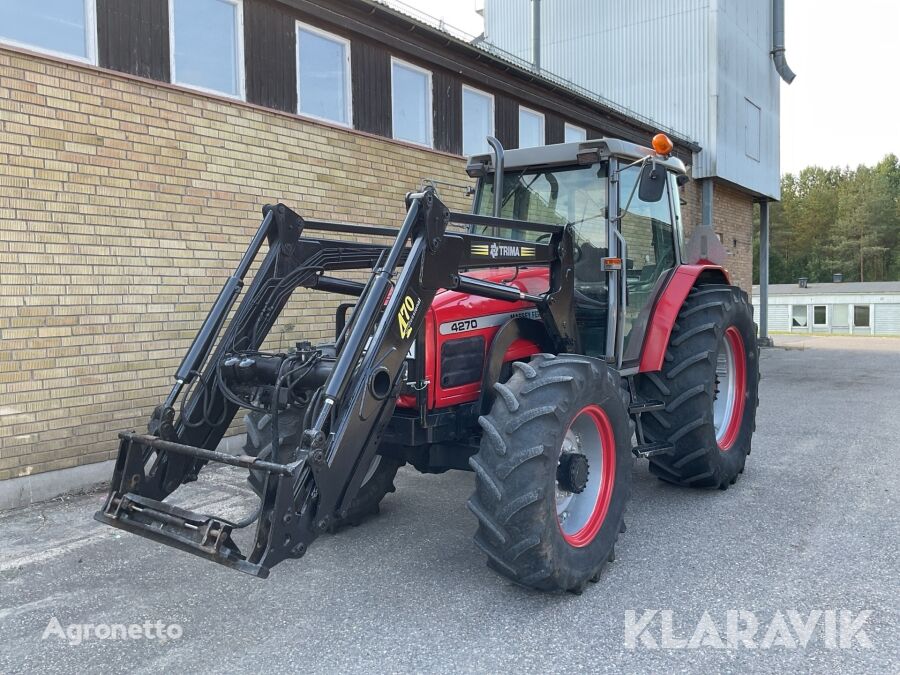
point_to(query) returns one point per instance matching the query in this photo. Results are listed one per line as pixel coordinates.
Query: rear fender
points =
(659, 328)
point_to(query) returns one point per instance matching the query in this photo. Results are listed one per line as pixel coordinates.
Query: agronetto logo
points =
(740, 629)
(76, 633)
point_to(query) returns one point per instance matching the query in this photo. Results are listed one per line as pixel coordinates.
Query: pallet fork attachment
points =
(304, 488)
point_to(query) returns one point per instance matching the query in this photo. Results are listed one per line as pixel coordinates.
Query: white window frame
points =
(479, 92)
(90, 29)
(868, 329)
(568, 126)
(238, 54)
(827, 316)
(543, 126)
(791, 326)
(430, 115)
(348, 94)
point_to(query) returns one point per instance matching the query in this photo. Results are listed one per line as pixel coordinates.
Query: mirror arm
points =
(634, 187)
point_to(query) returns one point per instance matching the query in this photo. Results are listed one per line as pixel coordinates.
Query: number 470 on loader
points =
(543, 341)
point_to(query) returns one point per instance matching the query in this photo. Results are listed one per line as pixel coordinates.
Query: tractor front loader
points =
(542, 341)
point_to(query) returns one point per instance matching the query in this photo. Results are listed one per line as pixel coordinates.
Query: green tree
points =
(836, 220)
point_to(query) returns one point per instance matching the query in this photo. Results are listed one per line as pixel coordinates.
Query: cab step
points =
(640, 407)
(647, 450)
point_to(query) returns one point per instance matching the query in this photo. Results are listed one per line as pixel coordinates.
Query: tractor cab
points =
(621, 202)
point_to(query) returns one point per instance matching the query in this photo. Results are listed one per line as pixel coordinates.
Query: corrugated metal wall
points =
(701, 67)
(507, 24)
(887, 319)
(779, 318)
(747, 97)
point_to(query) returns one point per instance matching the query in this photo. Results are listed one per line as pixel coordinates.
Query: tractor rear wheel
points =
(708, 382)
(377, 483)
(553, 473)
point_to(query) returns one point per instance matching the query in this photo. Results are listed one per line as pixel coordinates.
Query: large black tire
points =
(290, 427)
(715, 321)
(515, 498)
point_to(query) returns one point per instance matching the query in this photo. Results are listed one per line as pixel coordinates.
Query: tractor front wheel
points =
(553, 473)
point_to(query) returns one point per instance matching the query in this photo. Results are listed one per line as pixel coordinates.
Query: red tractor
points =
(543, 341)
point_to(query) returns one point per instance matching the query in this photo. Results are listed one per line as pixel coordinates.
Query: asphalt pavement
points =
(804, 545)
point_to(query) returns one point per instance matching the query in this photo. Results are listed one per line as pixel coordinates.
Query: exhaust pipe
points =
(497, 146)
(784, 70)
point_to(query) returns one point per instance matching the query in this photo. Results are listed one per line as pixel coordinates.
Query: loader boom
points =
(306, 487)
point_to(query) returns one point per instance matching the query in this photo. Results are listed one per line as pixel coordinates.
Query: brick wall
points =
(732, 221)
(124, 205)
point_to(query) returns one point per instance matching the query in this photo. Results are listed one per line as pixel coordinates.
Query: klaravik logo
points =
(741, 629)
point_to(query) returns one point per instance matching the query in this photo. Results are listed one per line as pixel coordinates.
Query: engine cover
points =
(459, 329)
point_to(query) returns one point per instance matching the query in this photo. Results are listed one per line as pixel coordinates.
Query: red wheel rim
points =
(732, 394)
(595, 434)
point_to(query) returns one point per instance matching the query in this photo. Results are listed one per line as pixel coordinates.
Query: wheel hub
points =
(572, 472)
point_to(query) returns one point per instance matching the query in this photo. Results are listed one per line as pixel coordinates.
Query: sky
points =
(844, 107)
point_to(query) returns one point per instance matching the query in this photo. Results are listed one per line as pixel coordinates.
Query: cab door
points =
(646, 234)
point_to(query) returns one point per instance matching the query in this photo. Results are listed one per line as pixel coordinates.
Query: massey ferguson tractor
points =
(543, 341)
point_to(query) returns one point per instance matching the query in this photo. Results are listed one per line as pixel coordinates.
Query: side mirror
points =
(652, 182)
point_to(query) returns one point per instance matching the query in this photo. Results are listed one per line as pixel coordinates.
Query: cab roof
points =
(569, 154)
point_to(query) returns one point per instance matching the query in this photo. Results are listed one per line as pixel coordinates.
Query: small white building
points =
(853, 308)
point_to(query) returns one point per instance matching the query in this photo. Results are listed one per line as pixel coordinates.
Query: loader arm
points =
(305, 487)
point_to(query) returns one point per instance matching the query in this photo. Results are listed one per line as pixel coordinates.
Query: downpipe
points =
(778, 50)
(498, 174)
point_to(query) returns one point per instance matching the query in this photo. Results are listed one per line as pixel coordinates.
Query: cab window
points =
(574, 195)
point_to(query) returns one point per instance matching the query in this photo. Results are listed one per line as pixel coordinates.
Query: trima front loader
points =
(542, 341)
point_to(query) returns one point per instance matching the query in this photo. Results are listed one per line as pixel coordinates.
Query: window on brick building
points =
(323, 75)
(61, 27)
(206, 43)
(575, 134)
(478, 120)
(411, 103)
(531, 128)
